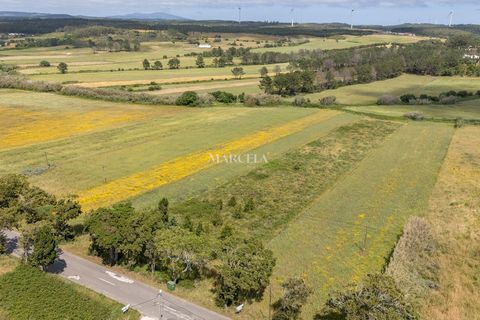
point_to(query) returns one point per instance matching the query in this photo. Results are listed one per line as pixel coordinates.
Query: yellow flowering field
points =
(22, 127)
(181, 167)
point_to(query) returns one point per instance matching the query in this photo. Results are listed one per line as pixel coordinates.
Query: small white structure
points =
(205, 46)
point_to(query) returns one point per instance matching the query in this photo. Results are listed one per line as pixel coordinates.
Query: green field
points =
(92, 156)
(367, 94)
(349, 42)
(27, 293)
(469, 110)
(391, 184)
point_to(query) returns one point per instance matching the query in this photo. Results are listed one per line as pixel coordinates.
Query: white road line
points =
(113, 284)
(119, 278)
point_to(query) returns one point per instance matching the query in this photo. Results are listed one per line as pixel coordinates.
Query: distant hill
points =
(148, 16)
(23, 15)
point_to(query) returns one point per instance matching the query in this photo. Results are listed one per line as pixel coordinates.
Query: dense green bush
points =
(188, 98)
(377, 297)
(224, 97)
(44, 63)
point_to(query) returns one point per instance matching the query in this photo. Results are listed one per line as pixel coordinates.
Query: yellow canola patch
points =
(181, 167)
(26, 127)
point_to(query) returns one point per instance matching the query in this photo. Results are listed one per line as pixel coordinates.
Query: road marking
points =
(178, 314)
(74, 277)
(113, 284)
(119, 278)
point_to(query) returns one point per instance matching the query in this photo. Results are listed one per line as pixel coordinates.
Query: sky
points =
(386, 12)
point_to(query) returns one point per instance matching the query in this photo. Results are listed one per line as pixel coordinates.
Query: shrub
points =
(224, 97)
(298, 101)
(44, 63)
(388, 100)
(407, 97)
(261, 99)
(206, 99)
(327, 101)
(8, 68)
(188, 98)
(414, 115)
(463, 94)
(377, 297)
(154, 87)
(448, 100)
(17, 82)
(420, 101)
(413, 264)
(478, 93)
(459, 122)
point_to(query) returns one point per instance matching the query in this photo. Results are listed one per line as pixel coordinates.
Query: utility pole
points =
(364, 247)
(46, 160)
(160, 304)
(270, 304)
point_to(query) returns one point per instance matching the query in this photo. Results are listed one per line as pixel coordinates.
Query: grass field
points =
(393, 183)
(232, 86)
(453, 215)
(87, 159)
(185, 165)
(469, 110)
(104, 79)
(28, 117)
(368, 94)
(349, 42)
(27, 293)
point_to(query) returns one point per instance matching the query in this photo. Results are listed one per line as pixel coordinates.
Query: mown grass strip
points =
(184, 166)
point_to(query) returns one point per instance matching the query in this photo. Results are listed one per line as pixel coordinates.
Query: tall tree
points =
(263, 72)
(163, 209)
(238, 72)
(146, 64)
(174, 63)
(45, 247)
(200, 61)
(245, 272)
(62, 67)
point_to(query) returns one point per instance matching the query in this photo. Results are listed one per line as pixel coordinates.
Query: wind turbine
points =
(239, 15)
(351, 18)
(291, 14)
(451, 19)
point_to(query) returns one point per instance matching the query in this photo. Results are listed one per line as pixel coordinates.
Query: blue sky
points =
(366, 11)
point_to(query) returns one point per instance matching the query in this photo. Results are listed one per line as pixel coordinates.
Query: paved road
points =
(147, 300)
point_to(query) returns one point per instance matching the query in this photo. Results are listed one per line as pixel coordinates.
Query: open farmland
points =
(373, 201)
(105, 79)
(469, 110)
(368, 94)
(343, 42)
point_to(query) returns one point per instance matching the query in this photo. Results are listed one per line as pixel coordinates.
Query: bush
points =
(154, 87)
(224, 97)
(188, 98)
(463, 94)
(478, 93)
(44, 63)
(406, 98)
(388, 100)
(448, 100)
(377, 297)
(18, 82)
(298, 101)
(414, 115)
(206, 99)
(421, 101)
(327, 101)
(261, 99)
(459, 122)
(413, 264)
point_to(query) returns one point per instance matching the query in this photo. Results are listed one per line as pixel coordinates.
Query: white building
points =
(205, 46)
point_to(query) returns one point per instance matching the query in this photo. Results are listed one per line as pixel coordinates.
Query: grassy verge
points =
(27, 293)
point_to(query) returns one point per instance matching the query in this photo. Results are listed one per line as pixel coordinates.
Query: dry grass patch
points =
(454, 215)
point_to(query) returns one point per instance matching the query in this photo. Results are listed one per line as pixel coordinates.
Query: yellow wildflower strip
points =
(181, 167)
(30, 127)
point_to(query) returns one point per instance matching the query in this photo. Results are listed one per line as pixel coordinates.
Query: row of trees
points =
(182, 249)
(173, 63)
